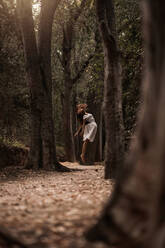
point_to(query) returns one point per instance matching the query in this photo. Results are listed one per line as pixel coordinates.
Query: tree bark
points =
(114, 147)
(92, 153)
(134, 217)
(38, 66)
(48, 8)
(68, 132)
(68, 33)
(34, 79)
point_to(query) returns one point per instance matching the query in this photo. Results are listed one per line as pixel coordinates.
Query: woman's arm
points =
(78, 131)
(83, 127)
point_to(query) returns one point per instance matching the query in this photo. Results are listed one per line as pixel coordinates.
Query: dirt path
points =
(49, 209)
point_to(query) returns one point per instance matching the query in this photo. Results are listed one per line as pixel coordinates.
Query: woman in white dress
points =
(87, 129)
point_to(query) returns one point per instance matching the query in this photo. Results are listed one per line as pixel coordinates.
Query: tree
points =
(134, 217)
(114, 150)
(73, 66)
(67, 46)
(38, 66)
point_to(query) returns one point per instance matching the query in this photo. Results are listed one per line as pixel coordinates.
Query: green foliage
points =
(13, 89)
(11, 142)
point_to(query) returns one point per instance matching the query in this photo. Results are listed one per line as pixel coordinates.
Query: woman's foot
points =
(82, 158)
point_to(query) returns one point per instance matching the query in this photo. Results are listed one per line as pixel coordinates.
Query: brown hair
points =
(80, 117)
(82, 106)
(80, 110)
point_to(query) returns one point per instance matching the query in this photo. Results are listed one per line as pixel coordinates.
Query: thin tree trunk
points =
(68, 133)
(134, 217)
(69, 81)
(68, 85)
(92, 152)
(101, 135)
(114, 147)
(75, 124)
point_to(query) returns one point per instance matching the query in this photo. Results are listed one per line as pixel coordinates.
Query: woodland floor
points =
(51, 209)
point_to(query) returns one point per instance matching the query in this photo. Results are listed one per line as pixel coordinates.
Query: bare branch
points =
(83, 68)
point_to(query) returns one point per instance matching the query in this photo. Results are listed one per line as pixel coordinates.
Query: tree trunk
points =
(101, 135)
(68, 85)
(34, 79)
(114, 147)
(69, 81)
(92, 154)
(68, 133)
(48, 8)
(134, 217)
(38, 65)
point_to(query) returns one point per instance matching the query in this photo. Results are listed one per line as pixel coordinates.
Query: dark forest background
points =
(86, 72)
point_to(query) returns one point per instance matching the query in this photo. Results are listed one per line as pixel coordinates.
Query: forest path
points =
(51, 209)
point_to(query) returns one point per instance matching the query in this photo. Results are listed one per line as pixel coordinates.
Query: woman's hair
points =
(81, 106)
(80, 116)
(80, 110)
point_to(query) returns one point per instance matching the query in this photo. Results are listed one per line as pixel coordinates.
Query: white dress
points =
(90, 128)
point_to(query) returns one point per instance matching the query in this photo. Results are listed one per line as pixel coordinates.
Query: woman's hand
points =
(75, 134)
(83, 128)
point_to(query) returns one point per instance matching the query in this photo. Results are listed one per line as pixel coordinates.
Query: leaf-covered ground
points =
(52, 209)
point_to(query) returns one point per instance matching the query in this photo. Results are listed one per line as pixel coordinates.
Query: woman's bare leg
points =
(84, 148)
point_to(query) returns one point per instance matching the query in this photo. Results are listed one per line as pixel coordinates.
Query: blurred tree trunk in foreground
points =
(134, 217)
(114, 147)
(38, 66)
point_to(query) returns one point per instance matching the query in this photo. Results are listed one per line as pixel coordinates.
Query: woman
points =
(87, 129)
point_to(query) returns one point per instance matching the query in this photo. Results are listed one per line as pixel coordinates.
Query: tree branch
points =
(78, 12)
(83, 68)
